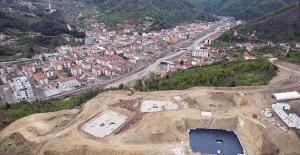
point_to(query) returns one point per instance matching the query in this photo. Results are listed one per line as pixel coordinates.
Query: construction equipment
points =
(130, 92)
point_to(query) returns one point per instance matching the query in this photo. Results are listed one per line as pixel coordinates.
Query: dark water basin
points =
(215, 141)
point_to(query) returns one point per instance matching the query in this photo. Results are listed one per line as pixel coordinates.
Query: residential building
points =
(41, 79)
(203, 52)
(129, 54)
(56, 65)
(99, 70)
(173, 39)
(45, 68)
(21, 88)
(110, 72)
(28, 70)
(76, 70)
(67, 82)
(49, 73)
(63, 50)
(78, 61)
(88, 40)
(86, 65)
(66, 63)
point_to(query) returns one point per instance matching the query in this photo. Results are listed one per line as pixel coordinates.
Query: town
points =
(149, 77)
(104, 57)
(109, 56)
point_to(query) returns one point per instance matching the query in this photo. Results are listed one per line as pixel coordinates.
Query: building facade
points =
(21, 88)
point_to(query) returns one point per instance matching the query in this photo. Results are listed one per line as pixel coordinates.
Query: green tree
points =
(121, 86)
(138, 85)
(43, 57)
(181, 62)
(69, 74)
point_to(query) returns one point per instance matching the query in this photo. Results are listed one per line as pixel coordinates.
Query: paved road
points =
(16, 61)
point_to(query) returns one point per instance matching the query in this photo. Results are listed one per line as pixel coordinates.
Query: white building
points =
(21, 88)
(76, 70)
(201, 53)
(67, 82)
(63, 50)
(291, 120)
(296, 119)
(287, 95)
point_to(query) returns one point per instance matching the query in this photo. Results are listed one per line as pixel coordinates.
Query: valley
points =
(180, 77)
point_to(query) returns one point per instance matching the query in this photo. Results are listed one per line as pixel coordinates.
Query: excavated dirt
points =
(164, 132)
(192, 102)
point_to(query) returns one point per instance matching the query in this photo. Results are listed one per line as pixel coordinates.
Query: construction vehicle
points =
(130, 92)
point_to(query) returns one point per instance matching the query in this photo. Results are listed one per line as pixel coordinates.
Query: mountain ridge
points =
(165, 14)
(241, 9)
(280, 26)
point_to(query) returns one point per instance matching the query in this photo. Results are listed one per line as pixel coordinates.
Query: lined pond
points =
(215, 141)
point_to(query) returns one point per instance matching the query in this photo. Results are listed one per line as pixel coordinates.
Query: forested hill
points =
(242, 9)
(23, 19)
(164, 13)
(282, 26)
(34, 30)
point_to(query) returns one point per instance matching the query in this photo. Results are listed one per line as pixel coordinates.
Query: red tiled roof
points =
(39, 76)
(85, 63)
(75, 67)
(66, 79)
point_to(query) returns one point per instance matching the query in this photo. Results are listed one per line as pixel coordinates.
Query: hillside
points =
(31, 30)
(162, 14)
(283, 25)
(157, 133)
(23, 19)
(224, 74)
(241, 9)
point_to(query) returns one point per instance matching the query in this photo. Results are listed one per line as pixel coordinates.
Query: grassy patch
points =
(292, 57)
(220, 44)
(15, 144)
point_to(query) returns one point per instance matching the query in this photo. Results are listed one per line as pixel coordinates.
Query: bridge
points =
(165, 62)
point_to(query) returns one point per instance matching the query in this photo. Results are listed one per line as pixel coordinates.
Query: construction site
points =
(118, 122)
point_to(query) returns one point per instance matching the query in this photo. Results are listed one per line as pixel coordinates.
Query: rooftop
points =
(66, 79)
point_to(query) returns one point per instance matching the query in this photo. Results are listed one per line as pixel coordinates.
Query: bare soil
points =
(161, 132)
